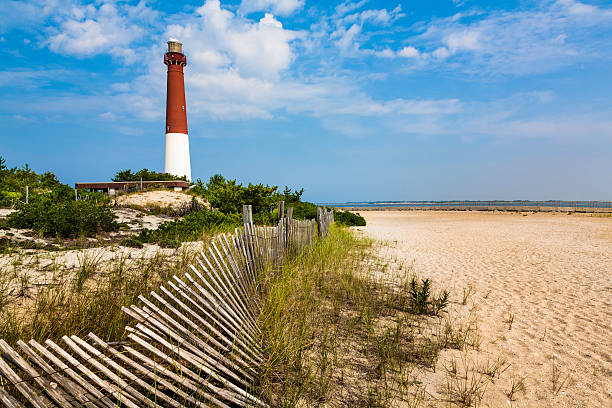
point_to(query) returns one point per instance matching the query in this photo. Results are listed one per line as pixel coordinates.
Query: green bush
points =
(302, 210)
(422, 301)
(192, 227)
(349, 219)
(131, 243)
(64, 219)
(168, 243)
(13, 183)
(145, 175)
(228, 196)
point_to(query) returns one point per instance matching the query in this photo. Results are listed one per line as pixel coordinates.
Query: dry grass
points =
(82, 299)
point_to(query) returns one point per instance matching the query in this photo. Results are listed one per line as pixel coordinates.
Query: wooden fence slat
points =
(35, 398)
(228, 327)
(122, 371)
(226, 394)
(120, 389)
(44, 384)
(179, 379)
(71, 389)
(145, 371)
(205, 323)
(8, 400)
(98, 397)
(196, 328)
(114, 391)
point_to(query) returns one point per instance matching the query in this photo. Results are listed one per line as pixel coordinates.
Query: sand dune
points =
(543, 294)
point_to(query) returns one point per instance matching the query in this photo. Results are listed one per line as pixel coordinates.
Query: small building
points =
(112, 187)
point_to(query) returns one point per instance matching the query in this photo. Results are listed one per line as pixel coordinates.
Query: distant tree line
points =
(145, 175)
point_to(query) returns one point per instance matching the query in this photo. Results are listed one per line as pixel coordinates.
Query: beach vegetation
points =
(193, 227)
(510, 319)
(349, 219)
(558, 380)
(329, 325)
(145, 175)
(228, 196)
(53, 216)
(421, 299)
(467, 292)
(131, 243)
(465, 386)
(517, 385)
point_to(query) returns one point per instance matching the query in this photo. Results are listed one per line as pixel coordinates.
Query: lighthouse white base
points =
(177, 155)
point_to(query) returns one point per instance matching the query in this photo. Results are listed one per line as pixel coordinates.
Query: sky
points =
(355, 100)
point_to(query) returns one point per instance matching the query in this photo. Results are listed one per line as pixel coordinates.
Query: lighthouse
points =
(177, 159)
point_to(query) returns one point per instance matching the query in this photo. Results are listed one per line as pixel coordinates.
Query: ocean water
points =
(460, 203)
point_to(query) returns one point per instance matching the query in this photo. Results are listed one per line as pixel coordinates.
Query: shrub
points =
(145, 175)
(154, 186)
(228, 196)
(192, 226)
(421, 299)
(349, 219)
(168, 243)
(131, 243)
(302, 210)
(64, 219)
(13, 182)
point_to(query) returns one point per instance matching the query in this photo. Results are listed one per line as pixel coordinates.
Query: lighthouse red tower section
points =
(177, 157)
(176, 110)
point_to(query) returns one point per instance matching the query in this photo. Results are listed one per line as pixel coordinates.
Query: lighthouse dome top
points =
(175, 45)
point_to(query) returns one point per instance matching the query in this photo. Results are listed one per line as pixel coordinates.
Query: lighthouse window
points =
(183, 107)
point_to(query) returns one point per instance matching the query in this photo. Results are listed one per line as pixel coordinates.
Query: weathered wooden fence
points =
(194, 342)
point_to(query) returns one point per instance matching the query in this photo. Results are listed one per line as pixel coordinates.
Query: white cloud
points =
(386, 53)
(466, 40)
(278, 7)
(220, 38)
(347, 29)
(347, 38)
(535, 40)
(408, 52)
(108, 29)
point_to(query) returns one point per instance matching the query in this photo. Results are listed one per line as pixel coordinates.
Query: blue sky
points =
(366, 100)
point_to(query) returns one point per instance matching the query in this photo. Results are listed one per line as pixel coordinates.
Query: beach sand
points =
(542, 296)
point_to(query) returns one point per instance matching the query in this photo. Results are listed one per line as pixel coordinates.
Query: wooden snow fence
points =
(194, 342)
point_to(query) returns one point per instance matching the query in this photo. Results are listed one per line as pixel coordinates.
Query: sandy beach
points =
(541, 293)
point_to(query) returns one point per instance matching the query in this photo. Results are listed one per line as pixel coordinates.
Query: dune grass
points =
(87, 298)
(336, 335)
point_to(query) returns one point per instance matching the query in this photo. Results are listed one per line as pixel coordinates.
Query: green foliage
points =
(52, 217)
(131, 243)
(228, 196)
(292, 196)
(192, 227)
(349, 219)
(168, 243)
(13, 183)
(421, 299)
(302, 210)
(145, 175)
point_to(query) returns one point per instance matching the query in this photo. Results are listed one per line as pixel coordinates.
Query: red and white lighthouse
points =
(177, 159)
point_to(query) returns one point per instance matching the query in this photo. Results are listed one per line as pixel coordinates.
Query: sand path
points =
(552, 273)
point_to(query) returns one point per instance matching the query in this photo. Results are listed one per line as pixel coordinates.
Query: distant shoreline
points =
(475, 208)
